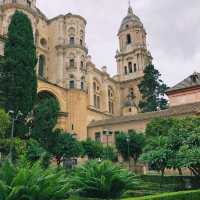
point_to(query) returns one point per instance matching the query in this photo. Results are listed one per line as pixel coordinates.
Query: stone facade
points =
(66, 71)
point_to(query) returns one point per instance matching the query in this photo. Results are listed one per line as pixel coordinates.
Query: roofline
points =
(174, 91)
(144, 116)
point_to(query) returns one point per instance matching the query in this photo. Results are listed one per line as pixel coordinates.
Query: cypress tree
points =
(18, 81)
(153, 91)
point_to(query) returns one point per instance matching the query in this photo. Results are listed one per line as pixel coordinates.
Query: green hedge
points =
(172, 183)
(184, 195)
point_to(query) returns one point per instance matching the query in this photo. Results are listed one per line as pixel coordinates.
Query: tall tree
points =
(153, 90)
(18, 82)
(45, 120)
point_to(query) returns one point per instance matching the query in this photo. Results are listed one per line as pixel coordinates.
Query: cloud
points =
(173, 29)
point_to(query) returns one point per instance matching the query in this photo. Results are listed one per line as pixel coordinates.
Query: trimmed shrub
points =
(183, 195)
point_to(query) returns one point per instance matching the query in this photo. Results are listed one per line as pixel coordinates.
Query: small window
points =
(81, 42)
(98, 102)
(98, 136)
(82, 65)
(135, 67)
(125, 70)
(94, 87)
(130, 110)
(131, 93)
(130, 67)
(71, 84)
(128, 39)
(71, 63)
(29, 3)
(72, 40)
(82, 85)
(42, 63)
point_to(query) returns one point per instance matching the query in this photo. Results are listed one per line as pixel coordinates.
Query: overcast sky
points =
(172, 26)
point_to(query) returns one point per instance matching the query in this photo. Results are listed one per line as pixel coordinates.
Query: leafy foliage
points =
(65, 146)
(4, 123)
(102, 180)
(45, 120)
(175, 144)
(184, 140)
(136, 144)
(18, 82)
(92, 149)
(153, 90)
(32, 182)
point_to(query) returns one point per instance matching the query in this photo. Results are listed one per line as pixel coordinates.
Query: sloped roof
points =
(187, 109)
(191, 81)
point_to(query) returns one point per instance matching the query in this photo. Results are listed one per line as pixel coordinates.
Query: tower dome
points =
(131, 20)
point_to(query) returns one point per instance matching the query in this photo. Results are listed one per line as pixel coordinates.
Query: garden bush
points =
(183, 195)
(32, 182)
(102, 180)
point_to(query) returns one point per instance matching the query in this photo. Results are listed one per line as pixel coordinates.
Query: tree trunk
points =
(180, 171)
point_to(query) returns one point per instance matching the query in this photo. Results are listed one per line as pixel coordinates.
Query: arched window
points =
(71, 41)
(128, 39)
(81, 42)
(71, 60)
(71, 33)
(82, 83)
(135, 67)
(42, 63)
(130, 67)
(82, 65)
(71, 82)
(111, 100)
(71, 63)
(125, 70)
(96, 92)
(131, 94)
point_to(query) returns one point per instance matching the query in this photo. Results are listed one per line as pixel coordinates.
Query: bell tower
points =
(132, 56)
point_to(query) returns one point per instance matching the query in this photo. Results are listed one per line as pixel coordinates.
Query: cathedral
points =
(92, 102)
